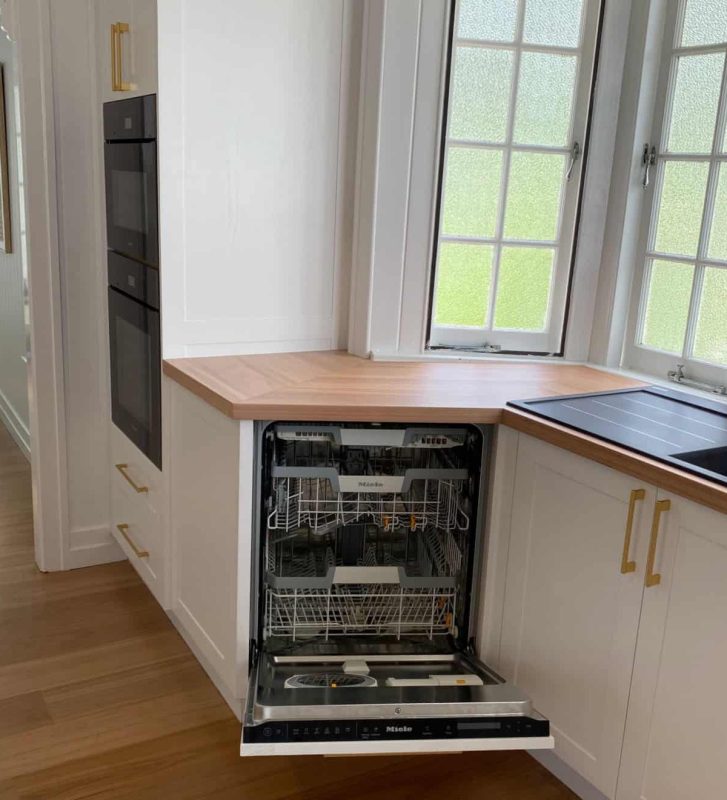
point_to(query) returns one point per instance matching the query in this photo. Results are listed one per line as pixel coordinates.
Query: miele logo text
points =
(398, 729)
(370, 484)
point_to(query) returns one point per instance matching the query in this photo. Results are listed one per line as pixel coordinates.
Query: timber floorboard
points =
(100, 698)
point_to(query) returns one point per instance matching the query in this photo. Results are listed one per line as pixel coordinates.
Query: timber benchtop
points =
(336, 386)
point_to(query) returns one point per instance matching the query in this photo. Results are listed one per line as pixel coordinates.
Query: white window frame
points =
(550, 340)
(637, 356)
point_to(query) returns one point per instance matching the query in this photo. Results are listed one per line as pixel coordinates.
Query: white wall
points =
(257, 147)
(13, 344)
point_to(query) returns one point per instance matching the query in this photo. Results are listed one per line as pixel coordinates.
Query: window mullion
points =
(705, 230)
(506, 159)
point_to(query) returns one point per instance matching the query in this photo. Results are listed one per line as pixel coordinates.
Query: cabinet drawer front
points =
(139, 532)
(132, 471)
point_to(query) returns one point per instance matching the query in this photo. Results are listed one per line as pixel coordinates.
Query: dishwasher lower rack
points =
(321, 499)
(362, 601)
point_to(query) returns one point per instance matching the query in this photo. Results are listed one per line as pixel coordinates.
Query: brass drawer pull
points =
(122, 469)
(626, 565)
(654, 578)
(123, 529)
(118, 84)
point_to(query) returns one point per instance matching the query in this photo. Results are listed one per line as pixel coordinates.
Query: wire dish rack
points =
(321, 499)
(399, 586)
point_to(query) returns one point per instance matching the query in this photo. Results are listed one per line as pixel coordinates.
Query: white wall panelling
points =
(79, 159)
(13, 332)
(256, 173)
(47, 406)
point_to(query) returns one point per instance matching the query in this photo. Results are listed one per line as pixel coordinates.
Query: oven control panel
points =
(392, 729)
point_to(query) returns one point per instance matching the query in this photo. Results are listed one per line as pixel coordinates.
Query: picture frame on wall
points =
(6, 241)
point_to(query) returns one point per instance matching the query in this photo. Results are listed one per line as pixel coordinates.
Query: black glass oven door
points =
(136, 373)
(131, 200)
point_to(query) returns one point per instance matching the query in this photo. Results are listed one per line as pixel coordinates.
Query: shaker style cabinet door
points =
(573, 593)
(126, 40)
(675, 745)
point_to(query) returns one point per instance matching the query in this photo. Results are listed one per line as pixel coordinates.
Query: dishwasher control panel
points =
(393, 729)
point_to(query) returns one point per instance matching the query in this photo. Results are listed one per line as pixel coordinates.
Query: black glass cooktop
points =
(665, 424)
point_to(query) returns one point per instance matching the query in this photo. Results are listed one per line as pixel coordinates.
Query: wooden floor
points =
(100, 698)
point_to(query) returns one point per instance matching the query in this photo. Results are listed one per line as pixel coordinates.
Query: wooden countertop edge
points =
(672, 479)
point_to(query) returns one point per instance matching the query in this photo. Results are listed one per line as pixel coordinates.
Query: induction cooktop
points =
(674, 427)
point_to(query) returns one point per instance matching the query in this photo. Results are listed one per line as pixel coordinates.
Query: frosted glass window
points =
(544, 99)
(696, 97)
(472, 192)
(705, 22)
(533, 196)
(463, 283)
(681, 206)
(506, 216)
(667, 305)
(481, 93)
(488, 20)
(553, 22)
(523, 288)
(710, 342)
(718, 235)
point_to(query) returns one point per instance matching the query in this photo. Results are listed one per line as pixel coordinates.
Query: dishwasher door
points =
(368, 700)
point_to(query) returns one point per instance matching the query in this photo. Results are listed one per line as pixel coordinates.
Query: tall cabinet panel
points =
(675, 745)
(572, 600)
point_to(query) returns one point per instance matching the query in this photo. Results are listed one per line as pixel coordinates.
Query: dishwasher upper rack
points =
(321, 499)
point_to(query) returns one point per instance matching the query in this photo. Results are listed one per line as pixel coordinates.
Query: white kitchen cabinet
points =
(675, 745)
(139, 500)
(571, 613)
(127, 57)
(211, 467)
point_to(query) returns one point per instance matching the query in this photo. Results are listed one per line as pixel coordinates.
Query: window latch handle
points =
(575, 154)
(648, 159)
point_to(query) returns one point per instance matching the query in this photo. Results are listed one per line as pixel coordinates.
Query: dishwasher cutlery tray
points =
(321, 499)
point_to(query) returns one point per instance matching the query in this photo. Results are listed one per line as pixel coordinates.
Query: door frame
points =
(28, 24)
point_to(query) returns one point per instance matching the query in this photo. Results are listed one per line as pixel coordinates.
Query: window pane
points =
(667, 305)
(718, 236)
(481, 93)
(555, 22)
(681, 205)
(488, 20)
(544, 99)
(472, 191)
(523, 288)
(705, 22)
(696, 96)
(710, 343)
(464, 273)
(533, 196)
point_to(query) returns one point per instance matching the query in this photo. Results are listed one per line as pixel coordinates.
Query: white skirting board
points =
(235, 703)
(16, 427)
(389, 747)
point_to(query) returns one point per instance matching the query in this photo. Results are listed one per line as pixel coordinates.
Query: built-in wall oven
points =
(367, 590)
(133, 271)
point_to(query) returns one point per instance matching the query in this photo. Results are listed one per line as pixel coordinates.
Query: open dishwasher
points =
(365, 584)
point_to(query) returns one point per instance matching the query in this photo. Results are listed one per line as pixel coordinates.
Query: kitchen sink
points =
(713, 460)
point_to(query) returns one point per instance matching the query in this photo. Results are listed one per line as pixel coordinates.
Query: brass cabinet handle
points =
(123, 529)
(626, 565)
(122, 469)
(118, 84)
(654, 578)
